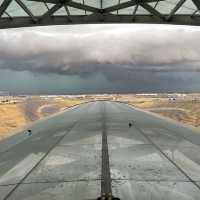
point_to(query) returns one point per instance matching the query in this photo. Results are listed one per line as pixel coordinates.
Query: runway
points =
(90, 151)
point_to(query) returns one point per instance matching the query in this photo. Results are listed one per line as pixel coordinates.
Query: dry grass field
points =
(11, 118)
(185, 110)
(17, 112)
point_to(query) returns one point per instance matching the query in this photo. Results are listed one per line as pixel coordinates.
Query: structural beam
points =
(4, 6)
(92, 9)
(47, 1)
(194, 13)
(120, 6)
(101, 4)
(178, 5)
(8, 14)
(68, 13)
(24, 7)
(152, 10)
(91, 19)
(70, 3)
(84, 4)
(46, 5)
(196, 3)
(134, 12)
(51, 11)
(126, 5)
(82, 7)
(156, 4)
(98, 13)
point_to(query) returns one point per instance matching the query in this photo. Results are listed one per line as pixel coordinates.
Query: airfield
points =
(91, 149)
(16, 112)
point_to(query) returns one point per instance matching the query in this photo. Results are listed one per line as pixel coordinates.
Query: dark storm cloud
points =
(112, 50)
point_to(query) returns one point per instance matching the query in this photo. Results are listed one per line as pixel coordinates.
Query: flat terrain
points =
(11, 118)
(185, 110)
(17, 112)
(91, 149)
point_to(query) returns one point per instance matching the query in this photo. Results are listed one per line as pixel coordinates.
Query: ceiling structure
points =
(23, 13)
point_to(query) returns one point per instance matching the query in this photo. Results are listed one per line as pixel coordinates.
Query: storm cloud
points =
(101, 58)
(93, 48)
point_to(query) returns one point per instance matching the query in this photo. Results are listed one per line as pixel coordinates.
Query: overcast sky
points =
(100, 59)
